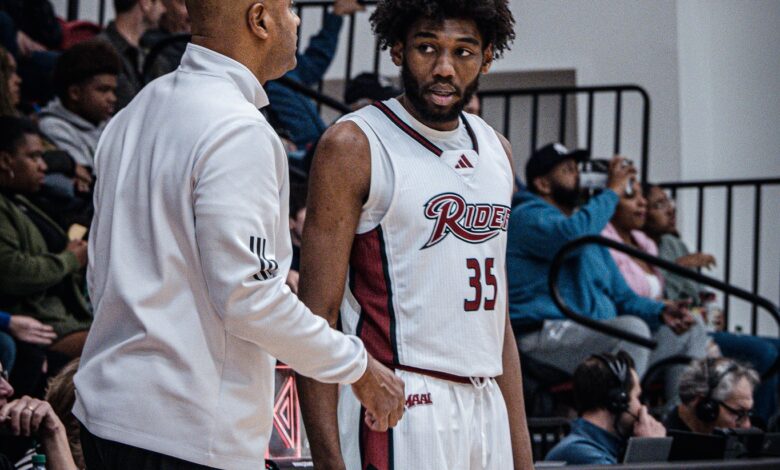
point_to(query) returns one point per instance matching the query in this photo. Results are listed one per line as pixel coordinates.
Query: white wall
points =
(729, 116)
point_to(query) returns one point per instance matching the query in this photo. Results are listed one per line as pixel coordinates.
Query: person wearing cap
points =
(367, 88)
(544, 219)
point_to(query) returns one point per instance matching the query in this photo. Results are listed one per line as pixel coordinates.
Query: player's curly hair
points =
(392, 19)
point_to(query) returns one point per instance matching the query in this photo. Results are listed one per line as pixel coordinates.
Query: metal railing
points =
(758, 186)
(610, 330)
(566, 93)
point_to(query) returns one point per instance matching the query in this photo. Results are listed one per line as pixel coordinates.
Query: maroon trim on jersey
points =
(370, 284)
(376, 448)
(395, 119)
(432, 373)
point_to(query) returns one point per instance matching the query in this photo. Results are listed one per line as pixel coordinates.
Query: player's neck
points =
(438, 126)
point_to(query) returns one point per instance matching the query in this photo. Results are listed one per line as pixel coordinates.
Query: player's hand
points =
(30, 417)
(30, 330)
(381, 392)
(677, 316)
(78, 248)
(647, 426)
(697, 260)
(347, 7)
(621, 172)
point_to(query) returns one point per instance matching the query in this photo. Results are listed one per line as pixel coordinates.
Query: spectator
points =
(85, 81)
(28, 29)
(606, 391)
(474, 106)
(643, 278)
(28, 417)
(175, 21)
(661, 226)
(298, 194)
(715, 394)
(760, 352)
(367, 88)
(39, 268)
(10, 85)
(543, 222)
(36, 24)
(21, 328)
(133, 19)
(295, 112)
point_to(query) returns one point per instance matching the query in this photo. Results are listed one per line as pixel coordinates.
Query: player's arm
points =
(511, 385)
(339, 183)
(511, 381)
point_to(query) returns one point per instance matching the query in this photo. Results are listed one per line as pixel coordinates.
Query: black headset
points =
(617, 397)
(708, 408)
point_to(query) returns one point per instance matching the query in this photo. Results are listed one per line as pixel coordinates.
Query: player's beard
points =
(414, 92)
(565, 197)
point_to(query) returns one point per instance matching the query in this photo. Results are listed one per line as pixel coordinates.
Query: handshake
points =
(381, 392)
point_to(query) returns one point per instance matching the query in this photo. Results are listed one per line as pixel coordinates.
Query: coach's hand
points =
(382, 394)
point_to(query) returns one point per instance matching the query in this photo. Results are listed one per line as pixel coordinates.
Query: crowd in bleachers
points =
(60, 84)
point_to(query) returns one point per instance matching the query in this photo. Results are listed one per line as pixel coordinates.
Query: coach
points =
(191, 250)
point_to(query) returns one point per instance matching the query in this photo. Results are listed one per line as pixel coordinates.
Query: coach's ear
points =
(487, 59)
(397, 54)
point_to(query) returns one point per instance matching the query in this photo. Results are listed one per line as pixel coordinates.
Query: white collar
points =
(199, 59)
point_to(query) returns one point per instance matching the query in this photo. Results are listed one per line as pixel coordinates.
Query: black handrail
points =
(610, 330)
(590, 91)
(718, 183)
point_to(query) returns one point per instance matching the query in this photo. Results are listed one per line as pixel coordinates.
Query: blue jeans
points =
(7, 351)
(761, 353)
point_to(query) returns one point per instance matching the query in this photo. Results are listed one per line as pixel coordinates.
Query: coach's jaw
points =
(261, 34)
(441, 63)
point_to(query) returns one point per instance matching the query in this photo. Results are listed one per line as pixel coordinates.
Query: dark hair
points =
(392, 19)
(12, 131)
(593, 381)
(122, 6)
(299, 191)
(82, 62)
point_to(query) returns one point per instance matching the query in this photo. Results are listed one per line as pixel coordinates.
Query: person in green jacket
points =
(40, 270)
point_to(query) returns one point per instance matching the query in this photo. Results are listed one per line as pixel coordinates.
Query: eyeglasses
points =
(663, 205)
(741, 415)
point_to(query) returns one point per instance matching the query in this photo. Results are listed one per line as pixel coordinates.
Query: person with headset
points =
(606, 393)
(716, 393)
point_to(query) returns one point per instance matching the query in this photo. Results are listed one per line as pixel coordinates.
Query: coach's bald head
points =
(261, 34)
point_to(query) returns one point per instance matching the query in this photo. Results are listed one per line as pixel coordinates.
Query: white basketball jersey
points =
(427, 284)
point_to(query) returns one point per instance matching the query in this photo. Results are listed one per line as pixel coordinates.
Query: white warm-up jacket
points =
(189, 251)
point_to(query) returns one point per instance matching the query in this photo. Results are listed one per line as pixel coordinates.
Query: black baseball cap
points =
(371, 86)
(546, 158)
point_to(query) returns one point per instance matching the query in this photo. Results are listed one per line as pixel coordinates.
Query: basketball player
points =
(409, 203)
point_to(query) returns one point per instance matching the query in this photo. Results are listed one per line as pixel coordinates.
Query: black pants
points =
(100, 454)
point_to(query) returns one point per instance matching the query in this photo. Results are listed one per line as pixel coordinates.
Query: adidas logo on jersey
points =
(463, 163)
(415, 399)
(472, 223)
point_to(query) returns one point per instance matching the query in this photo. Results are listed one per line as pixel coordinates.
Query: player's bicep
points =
(508, 150)
(339, 183)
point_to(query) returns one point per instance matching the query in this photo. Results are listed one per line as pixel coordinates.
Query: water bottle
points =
(38, 462)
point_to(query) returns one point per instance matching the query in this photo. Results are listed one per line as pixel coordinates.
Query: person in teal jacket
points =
(544, 220)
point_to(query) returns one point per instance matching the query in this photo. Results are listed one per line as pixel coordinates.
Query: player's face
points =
(440, 64)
